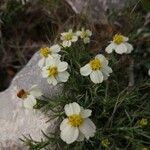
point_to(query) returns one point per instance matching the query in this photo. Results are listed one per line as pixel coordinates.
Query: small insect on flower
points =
(85, 35)
(105, 142)
(119, 44)
(29, 96)
(143, 122)
(77, 125)
(55, 71)
(68, 38)
(46, 52)
(97, 68)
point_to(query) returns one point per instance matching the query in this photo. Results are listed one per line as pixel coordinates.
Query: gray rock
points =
(15, 120)
(95, 9)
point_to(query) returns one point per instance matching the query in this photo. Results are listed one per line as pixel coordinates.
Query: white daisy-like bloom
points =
(77, 125)
(29, 96)
(120, 45)
(46, 52)
(85, 35)
(149, 72)
(55, 71)
(97, 68)
(68, 38)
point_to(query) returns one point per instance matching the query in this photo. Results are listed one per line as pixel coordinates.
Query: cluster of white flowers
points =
(52, 67)
(50, 63)
(77, 125)
(48, 52)
(69, 37)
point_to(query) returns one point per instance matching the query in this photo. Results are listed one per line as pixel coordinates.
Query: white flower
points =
(120, 45)
(149, 72)
(46, 52)
(84, 34)
(55, 71)
(68, 38)
(97, 68)
(77, 125)
(29, 96)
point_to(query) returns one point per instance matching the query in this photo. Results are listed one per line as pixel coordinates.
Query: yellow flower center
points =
(75, 120)
(118, 39)
(143, 122)
(105, 142)
(52, 71)
(95, 64)
(68, 36)
(44, 52)
(83, 34)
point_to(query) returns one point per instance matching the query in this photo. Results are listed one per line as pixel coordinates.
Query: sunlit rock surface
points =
(15, 120)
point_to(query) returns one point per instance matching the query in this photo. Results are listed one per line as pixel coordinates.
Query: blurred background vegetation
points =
(27, 25)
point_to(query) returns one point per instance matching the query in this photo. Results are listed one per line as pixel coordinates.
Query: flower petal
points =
(29, 102)
(56, 56)
(86, 40)
(87, 128)
(69, 134)
(52, 80)
(62, 66)
(35, 91)
(50, 61)
(41, 62)
(63, 124)
(102, 59)
(89, 33)
(106, 71)
(105, 76)
(72, 108)
(85, 70)
(44, 72)
(55, 48)
(63, 76)
(80, 137)
(110, 47)
(85, 113)
(74, 38)
(66, 43)
(96, 76)
(120, 49)
(129, 47)
(125, 39)
(78, 33)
